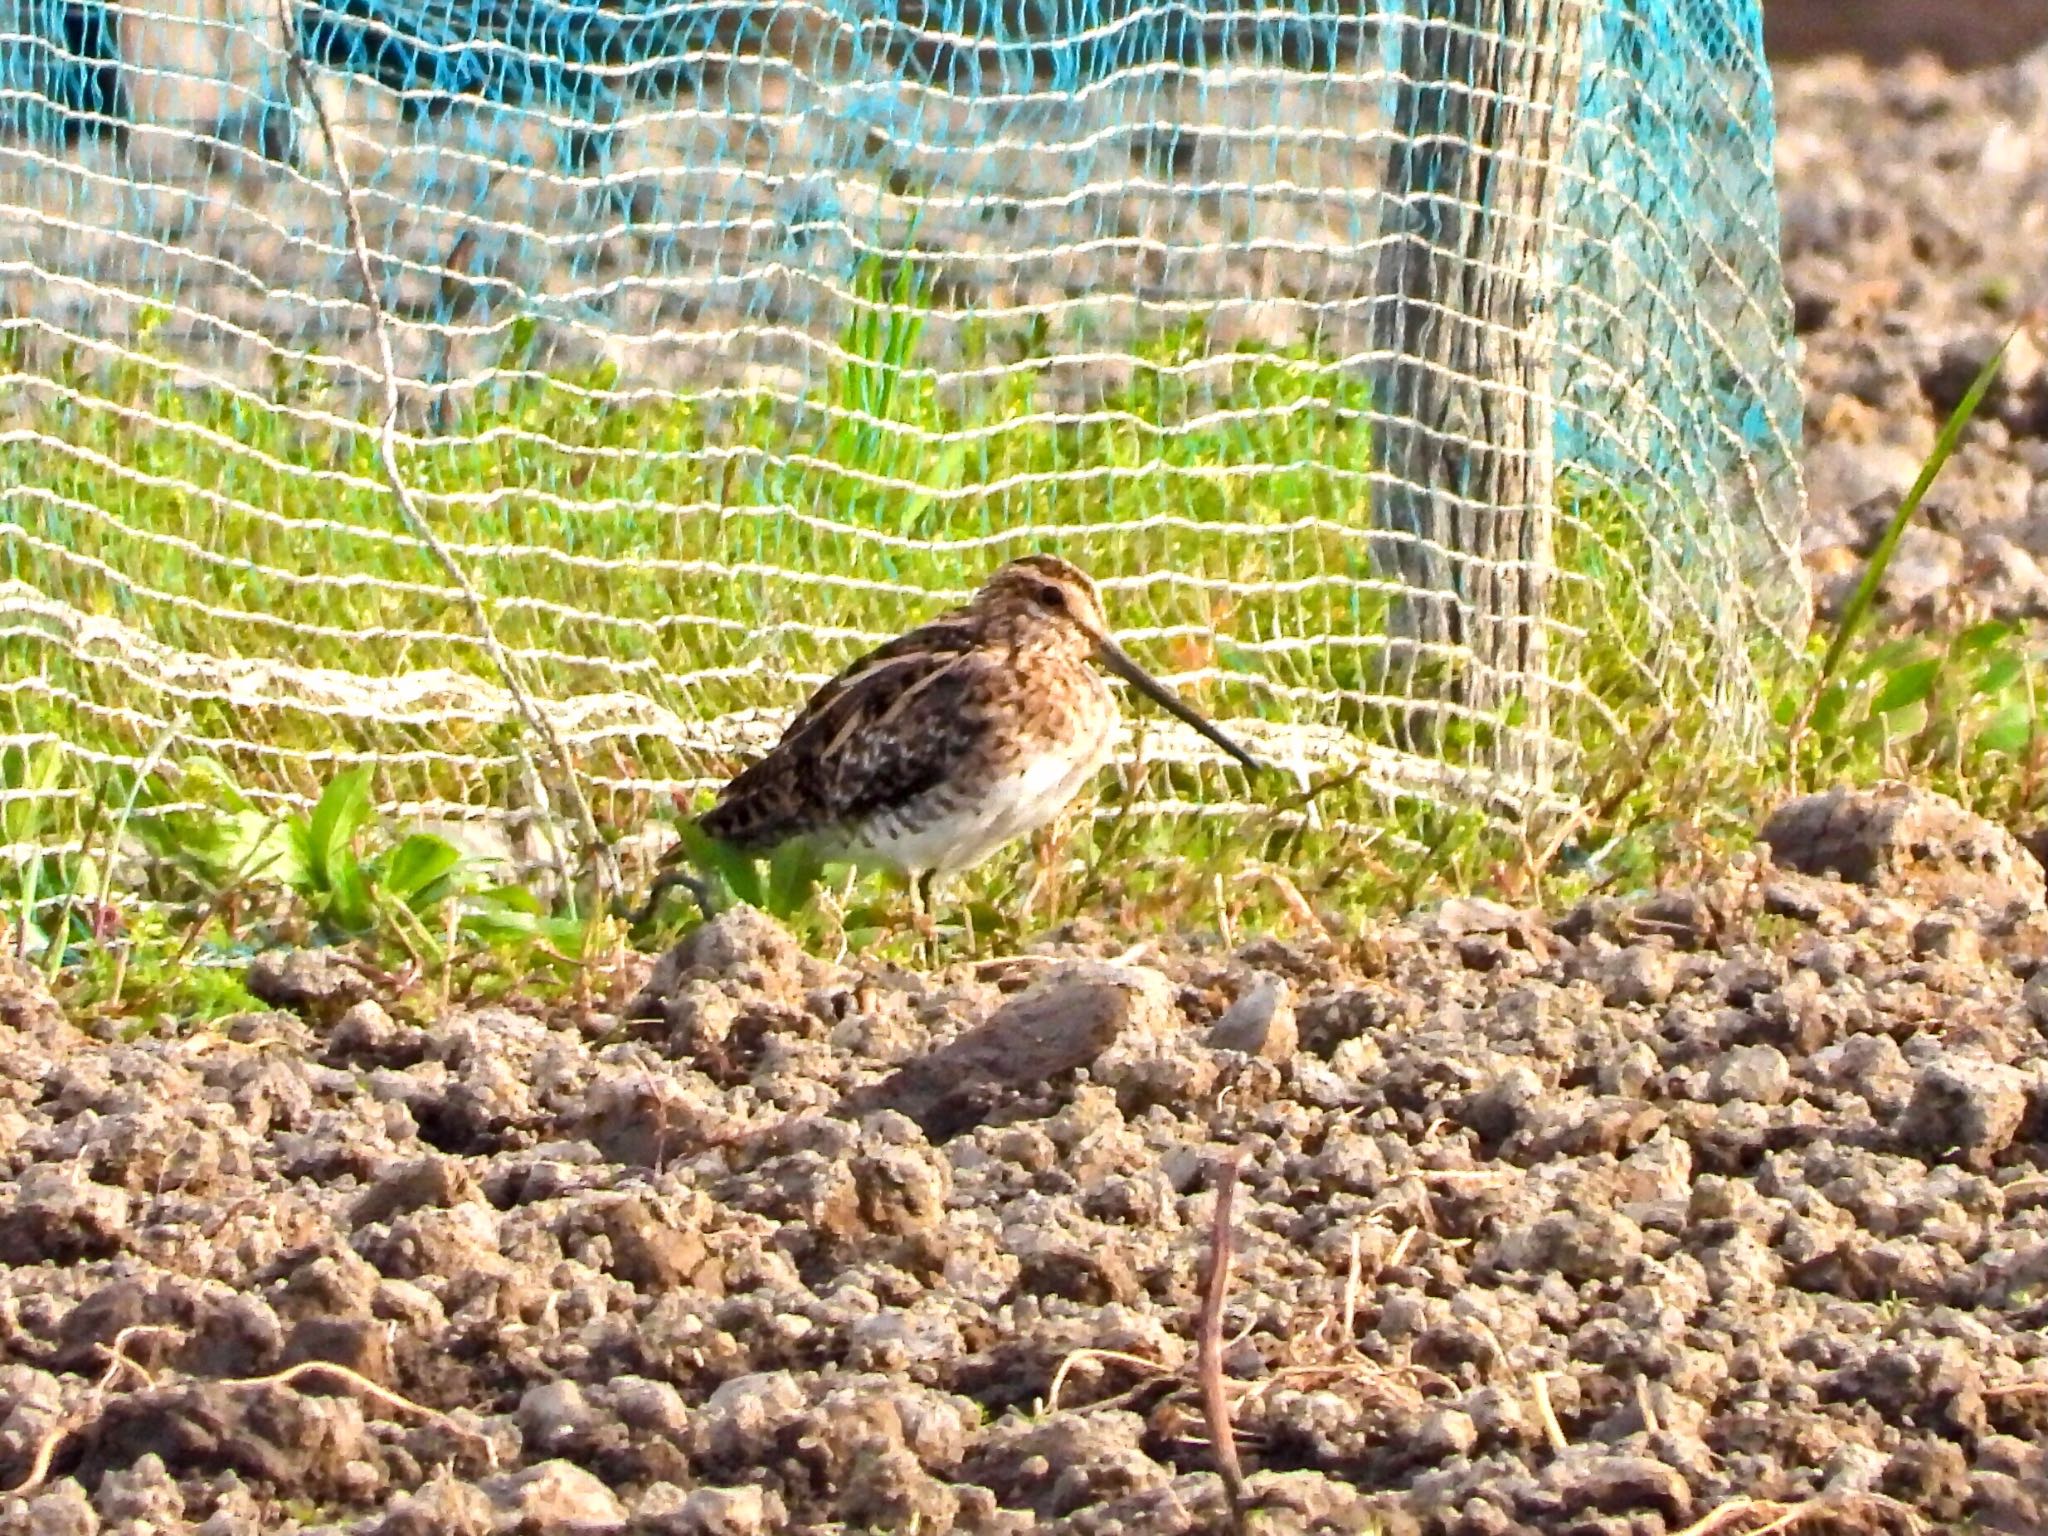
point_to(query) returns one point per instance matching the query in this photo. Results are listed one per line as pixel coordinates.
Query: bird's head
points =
(1044, 601)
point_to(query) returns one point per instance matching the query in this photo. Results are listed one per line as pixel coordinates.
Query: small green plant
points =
(718, 876)
(41, 887)
(414, 890)
(199, 827)
(1864, 598)
(222, 878)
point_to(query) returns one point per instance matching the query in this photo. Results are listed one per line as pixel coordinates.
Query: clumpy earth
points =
(1915, 204)
(1664, 1213)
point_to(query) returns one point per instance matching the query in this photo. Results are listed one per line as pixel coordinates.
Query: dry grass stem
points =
(596, 848)
(1779, 1517)
(1209, 1343)
(1553, 1431)
(119, 1361)
(1089, 1356)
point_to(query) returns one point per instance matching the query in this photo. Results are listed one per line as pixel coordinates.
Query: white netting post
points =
(1483, 115)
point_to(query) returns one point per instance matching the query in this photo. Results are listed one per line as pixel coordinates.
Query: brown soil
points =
(1596, 1222)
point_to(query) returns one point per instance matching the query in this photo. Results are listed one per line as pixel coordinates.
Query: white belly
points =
(975, 825)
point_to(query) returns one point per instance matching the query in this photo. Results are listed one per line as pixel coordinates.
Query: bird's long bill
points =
(1118, 660)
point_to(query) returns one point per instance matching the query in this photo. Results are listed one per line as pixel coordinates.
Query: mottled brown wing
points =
(950, 634)
(888, 728)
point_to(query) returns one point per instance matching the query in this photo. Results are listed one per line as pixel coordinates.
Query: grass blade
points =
(1857, 609)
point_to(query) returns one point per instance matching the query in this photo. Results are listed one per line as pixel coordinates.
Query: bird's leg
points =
(1047, 844)
(920, 912)
(967, 925)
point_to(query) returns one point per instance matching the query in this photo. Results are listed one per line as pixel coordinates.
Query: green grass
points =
(714, 561)
(723, 555)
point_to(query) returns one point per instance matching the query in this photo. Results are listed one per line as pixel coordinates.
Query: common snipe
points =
(934, 750)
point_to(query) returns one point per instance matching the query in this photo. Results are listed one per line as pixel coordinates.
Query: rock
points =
(1755, 1074)
(1965, 1107)
(359, 1344)
(1931, 1473)
(555, 1498)
(61, 1510)
(56, 1215)
(1464, 917)
(1447, 1432)
(1579, 1245)
(317, 983)
(1924, 568)
(280, 1436)
(1961, 360)
(1313, 1502)
(366, 1035)
(25, 1002)
(143, 1496)
(1947, 936)
(444, 1506)
(2035, 998)
(742, 946)
(1619, 1485)
(431, 1182)
(1638, 976)
(656, 1253)
(1260, 1022)
(1063, 1022)
(1843, 476)
(744, 1511)
(1800, 899)
(1905, 841)
(1066, 1463)
(736, 1429)
(554, 1417)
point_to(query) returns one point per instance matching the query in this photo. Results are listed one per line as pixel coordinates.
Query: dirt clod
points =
(1259, 1021)
(1965, 1107)
(1753, 1200)
(319, 983)
(1906, 841)
(554, 1498)
(1043, 1033)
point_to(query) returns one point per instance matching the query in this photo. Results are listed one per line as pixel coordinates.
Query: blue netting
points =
(1676, 363)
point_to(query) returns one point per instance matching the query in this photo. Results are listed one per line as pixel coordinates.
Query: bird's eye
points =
(1051, 596)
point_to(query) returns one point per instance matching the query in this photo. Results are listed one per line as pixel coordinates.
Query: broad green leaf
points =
(1827, 710)
(1980, 637)
(1909, 685)
(506, 898)
(793, 873)
(343, 808)
(348, 905)
(253, 844)
(740, 874)
(1889, 657)
(2001, 674)
(419, 870)
(511, 915)
(2009, 730)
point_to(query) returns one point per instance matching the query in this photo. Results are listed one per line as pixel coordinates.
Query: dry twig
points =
(387, 453)
(1780, 1517)
(1547, 1416)
(1089, 1356)
(119, 1361)
(1209, 1344)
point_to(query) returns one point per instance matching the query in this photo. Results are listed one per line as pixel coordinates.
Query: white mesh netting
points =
(1412, 376)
